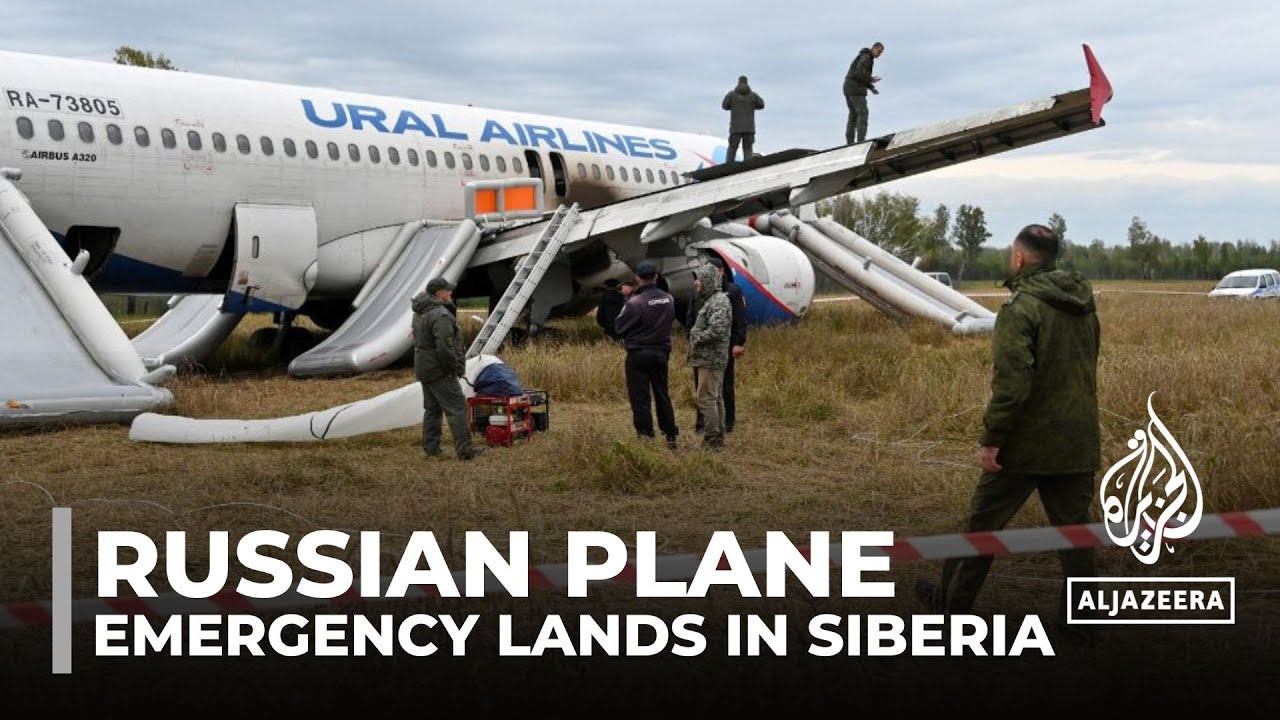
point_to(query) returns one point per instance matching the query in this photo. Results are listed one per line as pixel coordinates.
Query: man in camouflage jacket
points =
(439, 361)
(1040, 428)
(709, 351)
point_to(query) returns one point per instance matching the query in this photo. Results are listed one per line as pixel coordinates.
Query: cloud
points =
(1193, 114)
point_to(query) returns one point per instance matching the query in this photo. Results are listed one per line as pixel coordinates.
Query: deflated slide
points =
(63, 357)
(391, 410)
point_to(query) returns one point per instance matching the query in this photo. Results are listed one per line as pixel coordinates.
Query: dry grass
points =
(847, 422)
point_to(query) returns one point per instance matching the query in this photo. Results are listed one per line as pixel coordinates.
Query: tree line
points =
(953, 243)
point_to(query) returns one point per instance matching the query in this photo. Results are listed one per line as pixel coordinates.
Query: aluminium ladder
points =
(525, 282)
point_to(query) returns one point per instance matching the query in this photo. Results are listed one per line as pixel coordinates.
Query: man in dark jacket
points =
(737, 341)
(610, 305)
(857, 82)
(645, 328)
(742, 103)
(1040, 429)
(439, 360)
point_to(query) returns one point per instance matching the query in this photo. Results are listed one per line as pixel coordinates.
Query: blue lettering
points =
(542, 132)
(524, 139)
(665, 151)
(591, 142)
(564, 142)
(408, 120)
(444, 132)
(617, 142)
(633, 147)
(339, 112)
(374, 115)
(494, 130)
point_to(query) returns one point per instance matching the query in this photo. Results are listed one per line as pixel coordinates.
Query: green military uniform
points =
(856, 83)
(439, 359)
(709, 339)
(1043, 415)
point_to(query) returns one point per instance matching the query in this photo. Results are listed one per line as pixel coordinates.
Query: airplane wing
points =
(799, 177)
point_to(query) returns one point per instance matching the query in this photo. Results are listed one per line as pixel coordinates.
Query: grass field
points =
(847, 421)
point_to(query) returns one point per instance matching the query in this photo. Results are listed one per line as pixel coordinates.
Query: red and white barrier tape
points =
(671, 567)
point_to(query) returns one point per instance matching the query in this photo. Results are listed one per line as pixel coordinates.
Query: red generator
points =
(503, 420)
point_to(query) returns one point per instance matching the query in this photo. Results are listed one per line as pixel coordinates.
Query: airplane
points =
(297, 201)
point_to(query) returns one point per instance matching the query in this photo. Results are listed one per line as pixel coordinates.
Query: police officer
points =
(610, 305)
(439, 360)
(645, 328)
(737, 342)
(1040, 428)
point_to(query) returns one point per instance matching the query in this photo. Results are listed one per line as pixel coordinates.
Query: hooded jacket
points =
(1043, 411)
(709, 337)
(858, 79)
(742, 103)
(439, 349)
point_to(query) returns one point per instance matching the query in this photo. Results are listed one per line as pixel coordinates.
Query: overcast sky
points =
(1190, 144)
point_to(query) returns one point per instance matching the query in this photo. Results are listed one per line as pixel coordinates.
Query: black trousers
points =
(729, 414)
(746, 139)
(648, 390)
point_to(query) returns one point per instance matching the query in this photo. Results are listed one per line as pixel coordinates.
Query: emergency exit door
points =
(558, 188)
(275, 246)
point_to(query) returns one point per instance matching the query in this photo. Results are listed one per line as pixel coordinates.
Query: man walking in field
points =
(709, 339)
(857, 81)
(1040, 429)
(742, 103)
(439, 360)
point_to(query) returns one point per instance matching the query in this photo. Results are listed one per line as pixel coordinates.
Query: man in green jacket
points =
(709, 339)
(439, 360)
(1040, 429)
(857, 81)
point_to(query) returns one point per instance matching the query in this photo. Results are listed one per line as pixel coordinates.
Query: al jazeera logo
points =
(1151, 497)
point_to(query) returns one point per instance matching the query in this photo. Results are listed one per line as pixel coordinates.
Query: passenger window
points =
(267, 147)
(289, 148)
(55, 130)
(648, 175)
(517, 165)
(168, 138)
(353, 152)
(333, 150)
(140, 134)
(484, 163)
(595, 171)
(114, 135)
(431, 158)
(374, 155)
(622, 173)
(413, 157)
(242, 143)
(635, 175)
(313, 152)
(449, 162)
(393, 155)
(25, 130)
(466, 161)
(86, 131)
(193, 140)
(502, 163)
(582, 171)
(662, 176)
(219, 142)
(608, 169)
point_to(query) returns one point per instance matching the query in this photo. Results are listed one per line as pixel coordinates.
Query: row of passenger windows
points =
(195, 141)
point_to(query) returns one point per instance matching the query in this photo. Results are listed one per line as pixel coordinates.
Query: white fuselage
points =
(164, 156)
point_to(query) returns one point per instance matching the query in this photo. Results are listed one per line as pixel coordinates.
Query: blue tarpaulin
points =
(498, 380)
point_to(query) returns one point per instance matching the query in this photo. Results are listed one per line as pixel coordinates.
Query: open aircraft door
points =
(276, 246)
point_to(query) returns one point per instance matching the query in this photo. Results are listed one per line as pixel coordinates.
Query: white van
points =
(941, 277)
(1252, 283)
